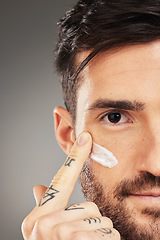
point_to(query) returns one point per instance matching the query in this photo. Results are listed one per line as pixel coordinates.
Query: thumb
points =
(38, 192)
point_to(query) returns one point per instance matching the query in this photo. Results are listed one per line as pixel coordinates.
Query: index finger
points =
(63, 183)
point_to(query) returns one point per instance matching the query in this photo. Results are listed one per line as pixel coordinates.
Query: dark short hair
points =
(100, 25)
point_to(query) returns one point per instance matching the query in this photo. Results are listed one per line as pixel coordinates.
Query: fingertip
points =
(83, 138)
(38, 192)
(82, 146)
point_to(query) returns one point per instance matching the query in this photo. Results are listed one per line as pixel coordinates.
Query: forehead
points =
(118, 70)
(131, 73)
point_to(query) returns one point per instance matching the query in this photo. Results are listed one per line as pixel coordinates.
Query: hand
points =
(51, 219)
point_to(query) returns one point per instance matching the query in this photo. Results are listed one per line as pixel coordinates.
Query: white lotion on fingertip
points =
(103, 156)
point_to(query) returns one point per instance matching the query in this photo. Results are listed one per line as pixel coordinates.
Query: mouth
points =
(149, 197)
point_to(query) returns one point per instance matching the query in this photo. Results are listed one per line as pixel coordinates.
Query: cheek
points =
(126, 147)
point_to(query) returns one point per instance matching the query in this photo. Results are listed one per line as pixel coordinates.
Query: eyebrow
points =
(124, 105)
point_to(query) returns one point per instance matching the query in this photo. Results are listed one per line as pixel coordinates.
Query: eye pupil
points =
(114, 117)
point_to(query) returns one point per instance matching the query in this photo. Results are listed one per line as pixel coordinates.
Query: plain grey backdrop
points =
(29, 91)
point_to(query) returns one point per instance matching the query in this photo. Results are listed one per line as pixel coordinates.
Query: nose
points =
(150, 157)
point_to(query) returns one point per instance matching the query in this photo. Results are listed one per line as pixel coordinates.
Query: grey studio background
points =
(29, 91)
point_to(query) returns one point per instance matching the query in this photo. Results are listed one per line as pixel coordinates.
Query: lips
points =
(147, 194)
(149, 197)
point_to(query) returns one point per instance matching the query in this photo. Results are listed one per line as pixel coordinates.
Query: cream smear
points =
(103, 156)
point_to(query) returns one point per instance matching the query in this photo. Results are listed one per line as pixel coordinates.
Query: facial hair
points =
(113, 204)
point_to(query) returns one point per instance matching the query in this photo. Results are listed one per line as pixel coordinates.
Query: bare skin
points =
(53, 219)
(127, 83)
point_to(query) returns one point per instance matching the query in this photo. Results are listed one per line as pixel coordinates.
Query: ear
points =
(64, 129)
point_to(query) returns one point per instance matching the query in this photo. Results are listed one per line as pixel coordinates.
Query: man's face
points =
(119, 104)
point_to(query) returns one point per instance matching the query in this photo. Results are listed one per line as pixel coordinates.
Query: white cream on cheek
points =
(103, 156)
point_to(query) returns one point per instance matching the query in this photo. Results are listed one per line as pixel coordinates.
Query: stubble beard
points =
(113, 204)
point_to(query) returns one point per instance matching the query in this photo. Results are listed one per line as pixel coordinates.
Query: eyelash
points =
(112, 112)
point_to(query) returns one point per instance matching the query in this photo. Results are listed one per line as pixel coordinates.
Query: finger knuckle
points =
(93, 207)
(58, 230)
(108, 222)
(26, 226)
(116, 234)
(82, 236)
(62, 231)
(73, 154)
(43, 223)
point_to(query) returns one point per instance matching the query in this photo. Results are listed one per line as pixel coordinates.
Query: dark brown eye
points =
(114, 117)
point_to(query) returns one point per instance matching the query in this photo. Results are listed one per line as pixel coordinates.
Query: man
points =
(108, 57)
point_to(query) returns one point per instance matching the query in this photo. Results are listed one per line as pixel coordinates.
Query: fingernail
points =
(83, 138)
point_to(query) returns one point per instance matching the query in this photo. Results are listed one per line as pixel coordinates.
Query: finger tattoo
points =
(48, 195)
(73, 207)
(69, 161)
(91, 220)
(105, 230)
